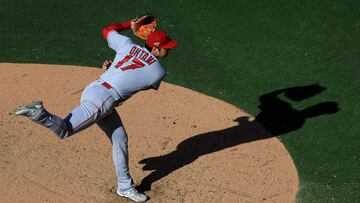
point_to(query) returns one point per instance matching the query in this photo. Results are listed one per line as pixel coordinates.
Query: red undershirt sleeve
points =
(117, 27)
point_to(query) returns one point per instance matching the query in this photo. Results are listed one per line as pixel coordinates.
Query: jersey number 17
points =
(136, 63)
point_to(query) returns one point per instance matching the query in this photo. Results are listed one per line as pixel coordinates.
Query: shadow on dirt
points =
(277, 117)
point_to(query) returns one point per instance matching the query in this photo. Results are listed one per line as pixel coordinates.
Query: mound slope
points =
(191, 147)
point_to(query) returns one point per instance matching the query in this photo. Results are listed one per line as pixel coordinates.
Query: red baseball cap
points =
(160, 39)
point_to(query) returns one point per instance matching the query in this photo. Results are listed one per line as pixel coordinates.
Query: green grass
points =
(232, 50)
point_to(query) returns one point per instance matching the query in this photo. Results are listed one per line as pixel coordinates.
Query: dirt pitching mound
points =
(184, 146)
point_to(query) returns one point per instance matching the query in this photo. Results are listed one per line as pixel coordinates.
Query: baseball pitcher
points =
(134, 68)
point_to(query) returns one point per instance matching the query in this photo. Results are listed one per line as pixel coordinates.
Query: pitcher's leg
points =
(114, 129)
(62, 128)
(80, 118)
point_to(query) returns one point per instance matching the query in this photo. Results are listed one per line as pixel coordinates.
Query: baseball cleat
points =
(29, 110)
(134, 195)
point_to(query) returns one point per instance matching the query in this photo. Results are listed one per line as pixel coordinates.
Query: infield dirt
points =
(183, 145)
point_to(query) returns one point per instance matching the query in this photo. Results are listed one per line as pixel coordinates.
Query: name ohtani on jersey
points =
(136, 54)
(142, 55)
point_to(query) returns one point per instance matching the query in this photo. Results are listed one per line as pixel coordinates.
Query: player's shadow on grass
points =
(277, 117)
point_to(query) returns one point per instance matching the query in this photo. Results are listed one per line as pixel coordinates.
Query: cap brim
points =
(169, 45)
